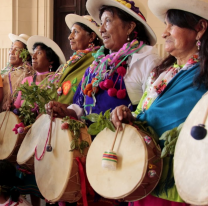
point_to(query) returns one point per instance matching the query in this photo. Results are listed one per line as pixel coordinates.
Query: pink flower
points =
(65, 126)
(19, 128)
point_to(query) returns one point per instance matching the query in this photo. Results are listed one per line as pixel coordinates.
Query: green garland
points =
(35, 98)
(24, 54)
(74, 127)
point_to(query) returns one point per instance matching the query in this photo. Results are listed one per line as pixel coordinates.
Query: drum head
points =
(8, 138)
(56, 170)
(131, 167)
(27, 148)
(190, 160)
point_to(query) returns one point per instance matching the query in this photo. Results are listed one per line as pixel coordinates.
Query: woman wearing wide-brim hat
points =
(127, 39)
(47, 56)
(175, 86)
(121, 66)
(85, 40)
(18, 67)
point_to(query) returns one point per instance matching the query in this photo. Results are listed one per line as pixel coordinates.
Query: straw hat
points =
(48, 42)
(22, 37)
(86, 20)
(160, 7)
(93, 7)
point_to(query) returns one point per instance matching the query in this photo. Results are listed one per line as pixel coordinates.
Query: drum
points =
(25, 156)
(56, 172)
(138, 169)
(190, 159)
(9, 141)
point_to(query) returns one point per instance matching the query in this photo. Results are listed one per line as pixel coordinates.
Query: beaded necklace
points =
(10, 68)
(73, 59)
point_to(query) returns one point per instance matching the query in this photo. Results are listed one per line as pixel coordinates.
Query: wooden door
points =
(60, 29)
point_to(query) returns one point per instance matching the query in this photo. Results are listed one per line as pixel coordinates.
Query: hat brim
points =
(160, 7)
(48, 42)
(14, 38)
(73, 18)
(93, 7)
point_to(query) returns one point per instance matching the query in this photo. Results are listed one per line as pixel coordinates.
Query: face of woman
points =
(79, 38)
(179, 42)
(113, 30)
(40, 62)
(14, 53)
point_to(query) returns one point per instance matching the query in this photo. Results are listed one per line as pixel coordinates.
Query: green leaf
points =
(74, 81)
(74, 88)
(109, 125)
(92, 117)
(107, 114)
(93, 129)
(72, 145)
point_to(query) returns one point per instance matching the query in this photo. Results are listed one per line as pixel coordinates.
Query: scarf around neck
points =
(155, 86)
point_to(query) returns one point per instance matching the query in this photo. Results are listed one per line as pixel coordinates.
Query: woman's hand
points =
(121, 114)
(59, 110)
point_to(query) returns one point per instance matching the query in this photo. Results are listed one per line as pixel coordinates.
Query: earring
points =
(128, 39)
(97, 38)
(50, 68)
(198, 44)
(91, 45)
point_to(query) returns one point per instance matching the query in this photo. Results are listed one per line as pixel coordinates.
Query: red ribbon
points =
(82, 180)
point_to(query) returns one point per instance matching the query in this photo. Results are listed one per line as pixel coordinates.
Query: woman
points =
(126, 37)
(84, 41)
(18, 68)
(176, 85)
(9, 194)
(46, 58)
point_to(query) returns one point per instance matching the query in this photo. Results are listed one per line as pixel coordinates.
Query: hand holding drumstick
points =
(121, 114)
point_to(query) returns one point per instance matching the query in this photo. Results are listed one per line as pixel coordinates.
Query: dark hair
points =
(8, 180)
(125, 17)
(29, 56)
(188, 20)
(50, 54)
(97, 41)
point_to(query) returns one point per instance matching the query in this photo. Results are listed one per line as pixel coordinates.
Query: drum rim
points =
(18, 136)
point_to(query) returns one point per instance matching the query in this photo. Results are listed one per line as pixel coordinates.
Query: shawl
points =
(168, 111)
(16, 76)
(69, 79)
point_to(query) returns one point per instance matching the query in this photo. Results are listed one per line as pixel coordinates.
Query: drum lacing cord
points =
(48, 138)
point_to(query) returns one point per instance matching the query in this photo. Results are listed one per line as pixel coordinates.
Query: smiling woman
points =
(18, 67)
(173, 87)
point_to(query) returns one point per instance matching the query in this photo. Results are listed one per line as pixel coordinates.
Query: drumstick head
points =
(198, 132)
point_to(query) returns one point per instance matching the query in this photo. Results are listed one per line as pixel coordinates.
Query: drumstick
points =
(205, 117)
(49, 147)
(199, 132)
(115, 138)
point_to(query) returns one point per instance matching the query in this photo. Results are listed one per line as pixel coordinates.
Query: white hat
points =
(160, 7)
(48, 42)
(22, 37)
(93, 7)
(87, 20)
